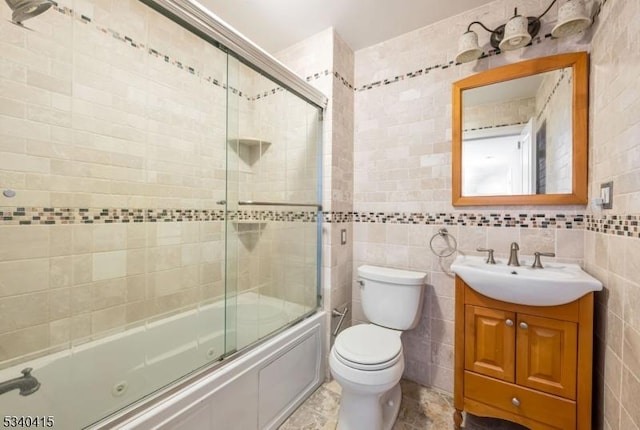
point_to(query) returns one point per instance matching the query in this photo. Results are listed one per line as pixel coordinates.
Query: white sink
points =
(556, 284)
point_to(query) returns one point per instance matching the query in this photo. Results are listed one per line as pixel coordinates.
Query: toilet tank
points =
(391, 297)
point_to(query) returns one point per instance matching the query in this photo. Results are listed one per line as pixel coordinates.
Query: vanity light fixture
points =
(519, 30)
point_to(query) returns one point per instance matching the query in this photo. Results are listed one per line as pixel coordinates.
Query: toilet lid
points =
(368, 345)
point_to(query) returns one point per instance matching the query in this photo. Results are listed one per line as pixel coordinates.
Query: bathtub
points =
(257, 388)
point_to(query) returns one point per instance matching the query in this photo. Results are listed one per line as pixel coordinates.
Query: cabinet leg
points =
(457, 419)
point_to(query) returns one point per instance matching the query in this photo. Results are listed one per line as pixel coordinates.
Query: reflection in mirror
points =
(517, 136)
(536, 112)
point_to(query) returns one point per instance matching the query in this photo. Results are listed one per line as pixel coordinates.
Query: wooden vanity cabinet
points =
(527, 364)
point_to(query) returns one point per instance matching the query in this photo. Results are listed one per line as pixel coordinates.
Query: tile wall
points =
(401, 185)
(550, 111)
(112, 130)
(612, 246)
(402, 165)
(326, 62)
(113, 135)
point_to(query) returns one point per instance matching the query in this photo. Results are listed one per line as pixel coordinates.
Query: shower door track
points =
(204, 21)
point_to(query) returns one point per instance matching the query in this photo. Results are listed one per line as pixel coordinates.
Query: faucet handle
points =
(537, 264)
(490, 259)
(26, 371)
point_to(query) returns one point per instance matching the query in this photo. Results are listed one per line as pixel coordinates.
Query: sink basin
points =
(556, 284)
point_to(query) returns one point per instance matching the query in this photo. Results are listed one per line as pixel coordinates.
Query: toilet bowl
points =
(367, 359)
(369, 374)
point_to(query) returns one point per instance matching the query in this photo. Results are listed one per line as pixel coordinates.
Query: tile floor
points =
(421, 409)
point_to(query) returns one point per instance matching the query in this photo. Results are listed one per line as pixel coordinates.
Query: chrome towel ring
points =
(448, 238)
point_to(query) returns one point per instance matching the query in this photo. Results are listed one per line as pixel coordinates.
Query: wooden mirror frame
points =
(579, 63)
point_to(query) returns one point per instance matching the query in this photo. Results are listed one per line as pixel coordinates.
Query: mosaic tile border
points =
(563, 74)
(617, 225)
(426, 70)
(409, 75)
(488, 127)
(217, 82)
(540, 220)
(67, 11)
(61, 216)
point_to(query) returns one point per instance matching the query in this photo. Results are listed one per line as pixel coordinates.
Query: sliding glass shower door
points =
(158, 209)
(272, 235)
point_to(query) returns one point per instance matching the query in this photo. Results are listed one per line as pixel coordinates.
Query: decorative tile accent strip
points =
(619, 225)
(479, 220)
(493, 126)
(563, 74)
(152, 52)
(57, 216)
(409, 75)
(565, 221)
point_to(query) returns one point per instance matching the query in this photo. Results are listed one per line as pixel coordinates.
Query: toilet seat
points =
(368, 347)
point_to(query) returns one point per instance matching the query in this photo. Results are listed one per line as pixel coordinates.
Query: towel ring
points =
(444, 234)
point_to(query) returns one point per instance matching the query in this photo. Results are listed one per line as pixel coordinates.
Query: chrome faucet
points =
(27, 384)
(513, 256)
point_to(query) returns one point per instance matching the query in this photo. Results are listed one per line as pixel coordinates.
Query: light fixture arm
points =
(546, 10)
(481, 25)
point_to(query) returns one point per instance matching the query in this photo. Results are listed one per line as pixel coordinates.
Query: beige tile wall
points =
(615, 156)
(402, 163)
(326, 51)
(66, 283)
(556, 87)
(122, 112)
(497, 114)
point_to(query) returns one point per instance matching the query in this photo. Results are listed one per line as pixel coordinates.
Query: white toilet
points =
(367, 359)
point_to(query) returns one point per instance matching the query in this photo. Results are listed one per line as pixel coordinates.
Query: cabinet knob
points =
(515, 402)
(509, 323)
(524, 325)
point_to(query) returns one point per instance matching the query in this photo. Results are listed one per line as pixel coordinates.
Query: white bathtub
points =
(86, 383)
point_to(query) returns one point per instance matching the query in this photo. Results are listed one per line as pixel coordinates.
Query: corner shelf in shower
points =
(246, 225)
(249, 150)
(251, 142)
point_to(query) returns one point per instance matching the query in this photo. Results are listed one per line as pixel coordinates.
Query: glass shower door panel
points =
(271, 249)
(114, 288)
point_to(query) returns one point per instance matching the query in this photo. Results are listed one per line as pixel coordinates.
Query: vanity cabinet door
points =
(547, 355)
(490, 342)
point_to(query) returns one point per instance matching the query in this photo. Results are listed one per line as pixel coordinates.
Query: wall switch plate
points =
(343, 236)
(606, 194)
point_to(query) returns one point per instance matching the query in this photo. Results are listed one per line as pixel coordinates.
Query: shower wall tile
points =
(107, 265)
(122, 110)
(23, 276)
(25, 341)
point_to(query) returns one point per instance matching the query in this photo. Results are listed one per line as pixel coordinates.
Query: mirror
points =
(520, 134)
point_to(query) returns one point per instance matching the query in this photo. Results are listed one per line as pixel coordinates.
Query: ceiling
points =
(278, 24)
